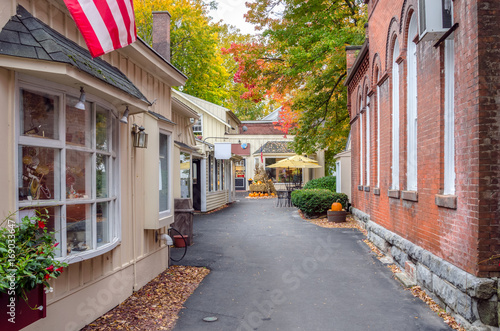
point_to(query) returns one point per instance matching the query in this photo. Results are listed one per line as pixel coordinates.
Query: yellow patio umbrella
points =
(296, 161)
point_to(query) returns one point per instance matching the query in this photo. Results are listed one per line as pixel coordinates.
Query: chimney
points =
(161, 33)
(351, 52)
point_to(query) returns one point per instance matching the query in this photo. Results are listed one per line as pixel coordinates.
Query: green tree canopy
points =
(196, 45)
(300, 62)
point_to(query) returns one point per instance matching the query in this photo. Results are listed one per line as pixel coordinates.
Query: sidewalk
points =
(271, 270)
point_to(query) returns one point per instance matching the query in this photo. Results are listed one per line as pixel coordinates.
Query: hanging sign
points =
(222, 151)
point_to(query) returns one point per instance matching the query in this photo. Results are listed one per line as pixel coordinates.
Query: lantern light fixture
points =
(140, 136)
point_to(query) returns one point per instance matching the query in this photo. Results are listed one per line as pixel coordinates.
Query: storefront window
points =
(69, 170)
(185, 175)
(217, 176)
(39, 114)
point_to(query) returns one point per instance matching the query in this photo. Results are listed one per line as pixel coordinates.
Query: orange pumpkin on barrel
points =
(337, 206)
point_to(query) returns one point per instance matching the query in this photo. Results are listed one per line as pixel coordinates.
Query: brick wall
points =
(469, 233)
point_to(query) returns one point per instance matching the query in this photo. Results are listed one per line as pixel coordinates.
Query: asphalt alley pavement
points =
(271, 270)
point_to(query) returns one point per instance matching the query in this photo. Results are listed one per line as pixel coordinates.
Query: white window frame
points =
(412, 113)
(338, 170)
(367, 111)
(449, 117)
(378, 130)
(198, 123)
(361, 171)
(167, 212)
(395, 117)
(113, 169)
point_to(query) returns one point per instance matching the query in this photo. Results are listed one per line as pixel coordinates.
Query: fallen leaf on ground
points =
(156, 305)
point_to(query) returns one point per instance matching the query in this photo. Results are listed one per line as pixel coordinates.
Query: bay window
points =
(68, 166)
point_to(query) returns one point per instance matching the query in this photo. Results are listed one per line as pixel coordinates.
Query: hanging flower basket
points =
(28, 260)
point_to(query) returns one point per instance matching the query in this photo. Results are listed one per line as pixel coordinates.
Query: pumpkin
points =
(272, 194)
(266, 195)
(337, 206)
(261, 194)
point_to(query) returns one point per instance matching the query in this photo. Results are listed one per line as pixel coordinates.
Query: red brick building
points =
(424, 95)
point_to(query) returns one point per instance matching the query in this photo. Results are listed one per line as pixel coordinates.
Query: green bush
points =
(312, 202)
(342, 198)
(315, 202)
(327, 183)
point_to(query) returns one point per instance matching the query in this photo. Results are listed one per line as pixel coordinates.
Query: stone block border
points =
(473, 301)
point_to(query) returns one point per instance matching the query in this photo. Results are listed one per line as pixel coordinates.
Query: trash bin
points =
(183, 218)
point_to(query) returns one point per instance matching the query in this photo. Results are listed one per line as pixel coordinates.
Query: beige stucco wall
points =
(89, 288)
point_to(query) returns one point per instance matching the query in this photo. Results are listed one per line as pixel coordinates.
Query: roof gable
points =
(28, 37)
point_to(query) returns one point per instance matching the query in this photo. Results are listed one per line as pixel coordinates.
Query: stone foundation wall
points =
(473, 301)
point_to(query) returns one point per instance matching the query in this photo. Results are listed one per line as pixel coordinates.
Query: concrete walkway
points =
(271, 270)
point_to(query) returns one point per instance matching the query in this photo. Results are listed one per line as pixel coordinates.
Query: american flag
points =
(105, 25)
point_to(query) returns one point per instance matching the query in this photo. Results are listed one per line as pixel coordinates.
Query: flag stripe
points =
(131, 16)
(106, 25)
(126, 37)
(109, 21)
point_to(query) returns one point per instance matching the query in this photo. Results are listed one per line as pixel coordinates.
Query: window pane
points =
(185, 175)
(78, 123)
(163, 173)
(77, 175)
(78, 228)
(39, 173)
(39, 114)
(102, 223)
(210, 173)
(101, 128)
(101, 176)
(222, 175)
(53, 221)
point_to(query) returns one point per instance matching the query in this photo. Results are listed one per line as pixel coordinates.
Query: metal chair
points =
(282, 198)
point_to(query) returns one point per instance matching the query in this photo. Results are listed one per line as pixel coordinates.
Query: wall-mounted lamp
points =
(140, 137)
(124, 118)
(81, 103)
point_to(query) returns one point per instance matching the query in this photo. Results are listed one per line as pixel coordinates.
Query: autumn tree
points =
(196, 44)
(195, 48)
(300, 62)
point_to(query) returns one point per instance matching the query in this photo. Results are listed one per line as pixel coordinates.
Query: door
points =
(196, 185)
(239, 175)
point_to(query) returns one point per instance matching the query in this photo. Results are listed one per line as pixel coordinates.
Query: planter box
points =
(21, 313)
(337, 216)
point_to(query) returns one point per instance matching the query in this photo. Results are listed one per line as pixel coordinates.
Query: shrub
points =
(327, 182)
(313, 202)
(342, 198)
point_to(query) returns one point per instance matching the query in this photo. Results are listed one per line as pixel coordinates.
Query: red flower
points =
(41, 224)
(55, 245)
(50, 269)
(47, 276)
(60, 269)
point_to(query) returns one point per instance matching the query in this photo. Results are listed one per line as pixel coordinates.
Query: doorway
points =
(240, 176)
(196, 184)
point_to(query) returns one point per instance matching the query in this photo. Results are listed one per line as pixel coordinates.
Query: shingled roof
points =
(274, 147)
(26, 36)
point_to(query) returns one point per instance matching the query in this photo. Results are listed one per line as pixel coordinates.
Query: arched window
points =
(395, 117)
(411, 161)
